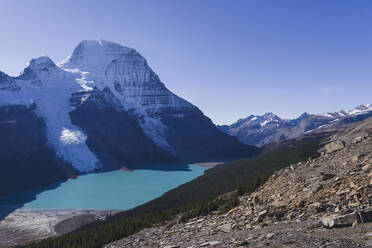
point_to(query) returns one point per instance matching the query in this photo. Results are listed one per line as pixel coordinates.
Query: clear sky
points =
(230, 58)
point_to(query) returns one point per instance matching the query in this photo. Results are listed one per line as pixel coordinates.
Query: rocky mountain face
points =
(24, 152)
(261, 130)
(104, 108)
(322, 202)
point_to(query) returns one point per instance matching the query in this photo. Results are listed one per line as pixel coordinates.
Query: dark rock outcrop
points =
(115, 136)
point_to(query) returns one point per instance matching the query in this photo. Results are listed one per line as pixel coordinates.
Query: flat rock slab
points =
(347, 219)
(225, 228)
(365, 216)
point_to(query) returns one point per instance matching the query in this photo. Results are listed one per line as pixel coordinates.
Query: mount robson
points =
(102, 108)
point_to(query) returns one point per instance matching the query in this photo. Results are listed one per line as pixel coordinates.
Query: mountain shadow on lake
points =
(12, 202)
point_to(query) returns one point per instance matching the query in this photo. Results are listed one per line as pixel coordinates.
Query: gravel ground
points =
(24, 226)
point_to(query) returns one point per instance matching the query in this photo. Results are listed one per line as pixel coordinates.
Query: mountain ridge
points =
(260, 130)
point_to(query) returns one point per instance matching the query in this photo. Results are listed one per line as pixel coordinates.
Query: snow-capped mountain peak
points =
(106, 65)
(270, 115)
(41, 63)
(261, 120)
(40, 68)
(364, 106)
(263, 129)
(8, 83)
(94, 56)
(361, 108)
(304, 115)
(105, 80)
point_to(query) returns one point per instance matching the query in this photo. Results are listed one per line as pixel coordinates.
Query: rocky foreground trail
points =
(323, 202)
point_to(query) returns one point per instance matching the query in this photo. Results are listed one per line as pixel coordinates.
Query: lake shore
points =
(208, 164)
(31, 216)
(24, 226)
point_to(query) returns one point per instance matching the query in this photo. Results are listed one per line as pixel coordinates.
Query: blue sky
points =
(230, 58)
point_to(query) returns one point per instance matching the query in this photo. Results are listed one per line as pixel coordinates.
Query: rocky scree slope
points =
(323, 202)
(269, 128)
(104, 108)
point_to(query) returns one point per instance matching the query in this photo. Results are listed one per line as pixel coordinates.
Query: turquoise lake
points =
(119, 190)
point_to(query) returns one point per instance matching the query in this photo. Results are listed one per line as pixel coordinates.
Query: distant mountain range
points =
(259, 130)
(101, 108)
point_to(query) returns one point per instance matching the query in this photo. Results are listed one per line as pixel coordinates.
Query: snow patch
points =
(326, 115)
(72, 137)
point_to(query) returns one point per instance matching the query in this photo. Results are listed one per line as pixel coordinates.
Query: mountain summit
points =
(103, 107)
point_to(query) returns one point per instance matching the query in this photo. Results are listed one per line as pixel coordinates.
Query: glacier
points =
(48, 87)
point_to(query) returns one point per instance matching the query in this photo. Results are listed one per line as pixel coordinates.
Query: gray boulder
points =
(334, 146)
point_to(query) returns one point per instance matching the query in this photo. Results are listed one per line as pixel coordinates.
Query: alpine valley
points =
(102, 108)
